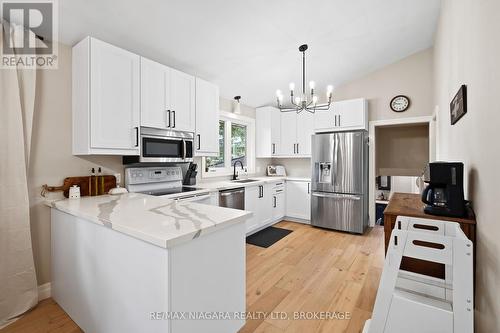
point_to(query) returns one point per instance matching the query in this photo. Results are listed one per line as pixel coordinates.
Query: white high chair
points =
(408, 302)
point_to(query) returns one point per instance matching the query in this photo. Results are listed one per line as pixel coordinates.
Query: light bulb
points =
(292, 86)
(312, 84)
(280, 98)
(278, 93)
(315, 99)
(329, 89)
(297, 100)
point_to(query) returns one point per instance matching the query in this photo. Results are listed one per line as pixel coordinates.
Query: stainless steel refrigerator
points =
(339, 197)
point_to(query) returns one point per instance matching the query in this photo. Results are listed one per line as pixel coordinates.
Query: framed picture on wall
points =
(458, 106)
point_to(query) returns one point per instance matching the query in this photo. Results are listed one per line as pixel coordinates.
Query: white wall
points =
(411, 76)
(51, 158)
(467, 51)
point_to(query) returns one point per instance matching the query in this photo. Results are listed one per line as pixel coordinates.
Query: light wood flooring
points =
(310, 271)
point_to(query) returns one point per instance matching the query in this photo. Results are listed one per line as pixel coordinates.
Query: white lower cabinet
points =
(298, 199)
(252, 197)
(278, 205)
(258, 201)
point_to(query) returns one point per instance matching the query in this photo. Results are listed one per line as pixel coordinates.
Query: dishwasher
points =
(233, 198)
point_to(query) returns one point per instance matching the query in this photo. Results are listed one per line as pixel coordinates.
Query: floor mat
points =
(268, 236)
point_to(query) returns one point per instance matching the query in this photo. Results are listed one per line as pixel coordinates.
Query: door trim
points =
(431, 120)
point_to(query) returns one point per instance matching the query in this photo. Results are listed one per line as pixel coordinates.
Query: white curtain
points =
(18, 285)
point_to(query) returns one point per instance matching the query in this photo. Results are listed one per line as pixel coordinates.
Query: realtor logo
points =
(29, 34)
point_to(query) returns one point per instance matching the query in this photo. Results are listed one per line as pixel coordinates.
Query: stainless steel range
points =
(162, 181)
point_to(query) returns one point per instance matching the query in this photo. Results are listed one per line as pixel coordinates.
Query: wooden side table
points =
(408, 204)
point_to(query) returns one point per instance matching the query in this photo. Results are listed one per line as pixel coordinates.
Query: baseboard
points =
(295, 219)
(44, 291)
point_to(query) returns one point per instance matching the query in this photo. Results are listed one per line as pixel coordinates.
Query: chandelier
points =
(305, 101)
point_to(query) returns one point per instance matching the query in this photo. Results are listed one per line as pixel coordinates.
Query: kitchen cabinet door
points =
(266, 205)
(207, 118)
(155, 94)
(275, 132)
(288, 135)
(352, 114)
(267, 132)
(263, 128)
(182, 97)
(305, 129)
(278, 206)
(252, 200)
(298, 199)
(324, 120)
(114, 98)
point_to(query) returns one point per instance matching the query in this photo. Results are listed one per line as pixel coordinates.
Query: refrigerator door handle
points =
(332, 195)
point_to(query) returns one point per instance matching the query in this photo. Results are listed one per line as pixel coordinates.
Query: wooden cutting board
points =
(89, 185)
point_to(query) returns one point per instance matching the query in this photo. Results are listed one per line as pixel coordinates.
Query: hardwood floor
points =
(309, 272)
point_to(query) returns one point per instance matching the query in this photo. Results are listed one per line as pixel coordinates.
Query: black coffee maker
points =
(444, 194)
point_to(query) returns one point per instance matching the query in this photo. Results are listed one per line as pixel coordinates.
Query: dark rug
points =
(268, 236)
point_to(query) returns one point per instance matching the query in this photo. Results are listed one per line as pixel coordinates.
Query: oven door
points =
(166, 149)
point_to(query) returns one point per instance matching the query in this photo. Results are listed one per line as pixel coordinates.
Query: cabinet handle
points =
(294, 149)
(308, 188)
(339, 121)
(274, 204)
(199, 141)
(173, 114)
(297, 148)
(169, 118)
(273, 149)
(335, 120)
(136, 136)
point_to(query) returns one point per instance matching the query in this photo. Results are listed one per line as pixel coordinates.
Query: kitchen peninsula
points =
(128, 263)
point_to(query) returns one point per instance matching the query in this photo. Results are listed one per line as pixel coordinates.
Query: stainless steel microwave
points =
(160, 146)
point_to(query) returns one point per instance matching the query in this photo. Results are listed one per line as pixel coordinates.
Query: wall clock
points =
(400, 103)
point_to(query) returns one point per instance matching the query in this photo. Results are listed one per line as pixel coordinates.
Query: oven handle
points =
(193, 198)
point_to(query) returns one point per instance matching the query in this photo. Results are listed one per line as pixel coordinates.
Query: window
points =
(238, 144)
(236, 135)
(218, 161)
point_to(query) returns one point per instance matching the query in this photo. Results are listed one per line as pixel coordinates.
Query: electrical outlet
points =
(118, 177)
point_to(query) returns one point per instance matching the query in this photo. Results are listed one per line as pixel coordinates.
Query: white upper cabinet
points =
(267, 132)
(283, 134)
(305, 130)
(275, 132)
(182, 97)
(207, 119)
(106, 99)
(155, 94)
(343, 116)
(167, 97)
(288, 137)
(324, 120)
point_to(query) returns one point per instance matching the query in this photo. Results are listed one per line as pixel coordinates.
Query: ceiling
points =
(250, 48)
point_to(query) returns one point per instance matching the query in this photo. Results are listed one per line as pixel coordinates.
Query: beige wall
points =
(467, 51)
(51, 159)
(411, 76)
(401, 150)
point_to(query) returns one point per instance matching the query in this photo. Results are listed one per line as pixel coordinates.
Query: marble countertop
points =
(160, 221)
(228, 184)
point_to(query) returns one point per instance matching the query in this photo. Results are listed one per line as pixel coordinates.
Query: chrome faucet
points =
(235, 177)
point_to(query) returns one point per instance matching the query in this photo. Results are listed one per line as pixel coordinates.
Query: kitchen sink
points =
(245, 181)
